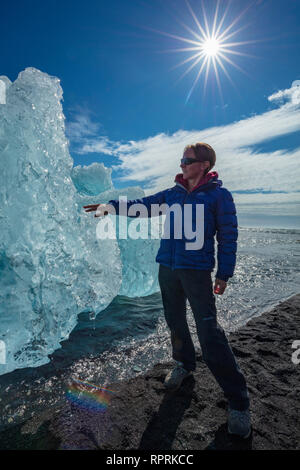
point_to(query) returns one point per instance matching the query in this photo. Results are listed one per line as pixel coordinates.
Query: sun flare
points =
(210, 45)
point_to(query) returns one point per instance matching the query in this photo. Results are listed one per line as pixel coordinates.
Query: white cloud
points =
(83, 134)
(102, 145)
(81, 127)
(154, 161)
(291, 95)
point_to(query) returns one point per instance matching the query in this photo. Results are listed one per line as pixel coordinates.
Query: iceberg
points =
(92, 180)
(52, 265)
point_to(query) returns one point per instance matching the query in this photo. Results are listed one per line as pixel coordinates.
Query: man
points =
(186, 274)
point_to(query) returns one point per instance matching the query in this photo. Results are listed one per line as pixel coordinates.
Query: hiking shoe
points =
(175, 377)
(239, 423)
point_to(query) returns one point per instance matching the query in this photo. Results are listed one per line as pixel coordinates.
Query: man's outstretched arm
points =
(113, 206)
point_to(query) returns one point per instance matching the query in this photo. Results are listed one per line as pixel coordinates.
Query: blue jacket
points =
(219, 219)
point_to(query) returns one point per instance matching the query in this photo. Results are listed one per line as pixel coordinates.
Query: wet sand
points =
(140, 414)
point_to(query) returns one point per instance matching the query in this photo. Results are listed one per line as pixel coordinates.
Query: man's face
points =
(192, 171)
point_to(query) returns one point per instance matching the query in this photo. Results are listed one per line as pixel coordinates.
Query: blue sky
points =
(126, 98)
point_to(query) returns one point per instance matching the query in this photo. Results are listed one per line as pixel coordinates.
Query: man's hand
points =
(101, 209)
(219, 286)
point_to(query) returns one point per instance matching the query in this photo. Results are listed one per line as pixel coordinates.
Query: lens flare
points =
(88, 396)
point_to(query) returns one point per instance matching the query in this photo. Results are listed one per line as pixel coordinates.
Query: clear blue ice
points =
(52, 266)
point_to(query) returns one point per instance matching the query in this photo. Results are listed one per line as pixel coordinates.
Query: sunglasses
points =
(189, 161)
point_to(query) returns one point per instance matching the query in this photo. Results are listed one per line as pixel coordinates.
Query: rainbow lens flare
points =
(88, 396)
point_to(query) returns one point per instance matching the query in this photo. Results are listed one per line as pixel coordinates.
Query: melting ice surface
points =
(52, 266)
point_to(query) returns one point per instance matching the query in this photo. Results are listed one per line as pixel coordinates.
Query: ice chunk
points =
(139, 269)
(52, 265)
(93, 179)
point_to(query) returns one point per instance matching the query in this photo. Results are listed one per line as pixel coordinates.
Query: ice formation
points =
(52, 266)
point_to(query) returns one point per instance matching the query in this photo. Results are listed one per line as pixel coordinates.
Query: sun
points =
(210, 45)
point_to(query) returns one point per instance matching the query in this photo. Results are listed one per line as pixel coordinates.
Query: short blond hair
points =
(203, 152)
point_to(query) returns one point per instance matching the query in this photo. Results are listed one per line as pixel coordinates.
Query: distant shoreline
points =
(264, 221)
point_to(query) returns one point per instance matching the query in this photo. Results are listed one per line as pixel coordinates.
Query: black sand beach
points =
(142, 415)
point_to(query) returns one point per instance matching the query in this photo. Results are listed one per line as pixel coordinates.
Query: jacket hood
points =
(210, 177)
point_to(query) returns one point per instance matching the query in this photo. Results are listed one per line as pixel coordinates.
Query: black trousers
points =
(195, 285)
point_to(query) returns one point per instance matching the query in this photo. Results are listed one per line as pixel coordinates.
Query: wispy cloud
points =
(81, 126)
(83, 135)
(291, 95)
(254, 177)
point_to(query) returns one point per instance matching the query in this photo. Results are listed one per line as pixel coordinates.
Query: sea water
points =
(131, 335)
